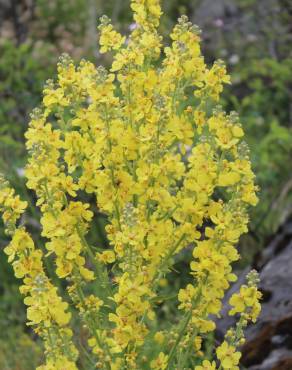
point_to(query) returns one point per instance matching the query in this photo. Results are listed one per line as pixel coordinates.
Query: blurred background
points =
(253, 37)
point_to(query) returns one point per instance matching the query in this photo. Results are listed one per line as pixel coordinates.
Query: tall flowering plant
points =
(169, 170)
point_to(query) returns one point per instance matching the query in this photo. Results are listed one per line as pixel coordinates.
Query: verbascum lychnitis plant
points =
(169, 170)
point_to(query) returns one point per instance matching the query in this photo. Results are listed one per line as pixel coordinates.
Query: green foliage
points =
(23, 70)
(263, 99)
(18, 350)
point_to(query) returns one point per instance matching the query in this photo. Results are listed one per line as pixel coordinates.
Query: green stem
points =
(167, 258)
(181, 333)
(99, 271)
(90, 321)
(186, 354)
(185, 324)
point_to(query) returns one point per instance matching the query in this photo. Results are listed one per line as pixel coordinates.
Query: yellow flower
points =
(159, 337)
(228, 178)
(160, 363)
(106, 257)
(246, 301)
(52, 97)
(206, 365)
(109, 38)
(228, 356)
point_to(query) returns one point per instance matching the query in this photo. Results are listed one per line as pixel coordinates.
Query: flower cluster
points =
(246, 303)
(169, 170)
(46, 312)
